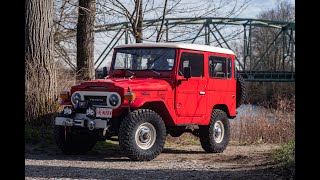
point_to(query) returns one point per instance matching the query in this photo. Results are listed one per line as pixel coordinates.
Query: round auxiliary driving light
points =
(67, 111)
(75, 98)
(113, 100)
(91, 112)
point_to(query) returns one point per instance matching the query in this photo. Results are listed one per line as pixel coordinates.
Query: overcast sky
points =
(256, 6)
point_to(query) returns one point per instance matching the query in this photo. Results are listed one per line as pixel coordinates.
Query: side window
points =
(218, 67)
(193, 60)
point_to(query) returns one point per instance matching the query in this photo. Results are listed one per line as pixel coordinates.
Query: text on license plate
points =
(104, 112)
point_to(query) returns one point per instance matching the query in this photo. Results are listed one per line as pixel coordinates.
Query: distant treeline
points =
(268, 93)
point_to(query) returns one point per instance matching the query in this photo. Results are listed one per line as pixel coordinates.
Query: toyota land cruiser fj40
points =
(152, 90)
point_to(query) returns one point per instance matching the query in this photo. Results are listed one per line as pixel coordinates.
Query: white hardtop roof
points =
(180, 45)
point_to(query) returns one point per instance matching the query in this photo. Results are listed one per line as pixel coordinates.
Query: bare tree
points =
(85, 39)
(40, 75)
(65, 28)
(138, 20)
(263, 37)
(133, 15)
(161, 10)
(162, 21)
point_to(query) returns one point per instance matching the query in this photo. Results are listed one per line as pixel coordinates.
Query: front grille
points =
(96, 100)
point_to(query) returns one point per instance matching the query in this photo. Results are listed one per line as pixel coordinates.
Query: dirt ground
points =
(175, 162)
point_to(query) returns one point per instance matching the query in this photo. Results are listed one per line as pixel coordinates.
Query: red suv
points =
(154, 89)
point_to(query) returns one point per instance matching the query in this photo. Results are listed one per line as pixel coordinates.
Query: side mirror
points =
(104, 72)
(187, 72)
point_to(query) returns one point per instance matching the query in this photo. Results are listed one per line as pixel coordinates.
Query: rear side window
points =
(193, 60)
(219, 67)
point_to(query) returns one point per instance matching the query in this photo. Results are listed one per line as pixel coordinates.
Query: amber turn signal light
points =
(129, 96)
(64, 95)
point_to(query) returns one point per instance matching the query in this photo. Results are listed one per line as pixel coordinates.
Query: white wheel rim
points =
(218, 131)
(145, 136)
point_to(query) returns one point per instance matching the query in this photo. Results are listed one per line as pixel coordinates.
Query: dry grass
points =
(66, 79)
(255, 124)
(47, 104)
(265, 125)
(184, 139)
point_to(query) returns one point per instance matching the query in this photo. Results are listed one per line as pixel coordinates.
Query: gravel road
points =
(183, 162)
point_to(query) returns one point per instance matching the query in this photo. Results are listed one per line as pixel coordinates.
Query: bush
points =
(286, 154)
(31, 136)
(38, 135)
(285, 158)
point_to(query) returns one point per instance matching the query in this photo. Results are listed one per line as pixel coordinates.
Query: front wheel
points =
(142, 135)
(70, 141)
(214, 137)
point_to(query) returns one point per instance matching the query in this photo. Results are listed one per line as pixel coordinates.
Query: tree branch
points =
(163, 16)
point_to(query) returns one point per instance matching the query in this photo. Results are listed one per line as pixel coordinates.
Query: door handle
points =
(202, 93)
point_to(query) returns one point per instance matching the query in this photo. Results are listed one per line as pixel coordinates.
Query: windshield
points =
(159, 59)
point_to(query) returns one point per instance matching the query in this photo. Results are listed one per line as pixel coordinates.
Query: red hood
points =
(139, 84)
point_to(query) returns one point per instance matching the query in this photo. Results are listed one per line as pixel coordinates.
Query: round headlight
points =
(90, 112)
(67, 111)
(113, 100)
(75, 98)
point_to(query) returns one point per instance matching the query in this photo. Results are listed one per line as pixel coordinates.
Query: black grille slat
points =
(96, 100)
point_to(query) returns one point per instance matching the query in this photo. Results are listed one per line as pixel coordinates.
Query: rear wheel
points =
(71, 141)
(214, 137)
(142, 135)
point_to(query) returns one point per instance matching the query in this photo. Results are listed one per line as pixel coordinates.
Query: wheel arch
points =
(224, 108)
(160, 108)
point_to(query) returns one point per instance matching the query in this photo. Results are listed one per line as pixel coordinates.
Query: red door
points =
(191, 98)
(221, 88)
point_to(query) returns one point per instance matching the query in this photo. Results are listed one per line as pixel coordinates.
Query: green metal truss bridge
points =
(278, 51)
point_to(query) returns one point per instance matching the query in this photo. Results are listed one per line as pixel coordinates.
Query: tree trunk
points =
(139, 24)
(40, 72)
(85, 40)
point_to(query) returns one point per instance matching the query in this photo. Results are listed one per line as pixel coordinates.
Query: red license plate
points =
(104, 112)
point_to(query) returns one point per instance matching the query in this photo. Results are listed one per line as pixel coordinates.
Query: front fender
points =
(138, 102)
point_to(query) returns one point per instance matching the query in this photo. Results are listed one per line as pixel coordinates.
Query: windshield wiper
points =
(133, 73)
(152, 70)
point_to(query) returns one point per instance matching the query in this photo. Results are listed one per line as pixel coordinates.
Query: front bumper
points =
(81, 120)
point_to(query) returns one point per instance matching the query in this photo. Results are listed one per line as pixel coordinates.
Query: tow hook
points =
(91, 125)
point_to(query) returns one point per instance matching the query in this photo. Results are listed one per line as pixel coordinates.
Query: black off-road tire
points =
(241, 91)
(74, 143)
(206, 133)
(128, 128)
